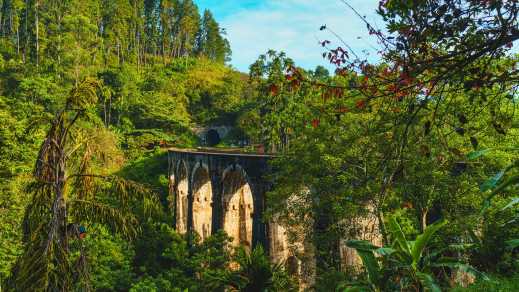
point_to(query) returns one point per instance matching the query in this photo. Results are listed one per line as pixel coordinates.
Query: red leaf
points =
(343, 110)
(315, 123)
(274, 90)
(361, 104)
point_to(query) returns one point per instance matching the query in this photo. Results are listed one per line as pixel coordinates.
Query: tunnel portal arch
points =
(212, 137)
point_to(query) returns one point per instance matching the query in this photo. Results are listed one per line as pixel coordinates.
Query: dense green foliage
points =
(402, 138)
(428, 135)
(159, 70)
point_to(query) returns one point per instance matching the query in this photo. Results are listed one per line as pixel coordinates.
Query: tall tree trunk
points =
(59, 43)
(118, 52)
(423, 219)
(36, 24)
(18, 42)
(137, 50)
(163, 51)
(381, 225)
(26, 31)
(109, 110)
(2, 19)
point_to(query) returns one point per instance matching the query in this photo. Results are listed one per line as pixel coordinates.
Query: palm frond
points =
(128, 190)
(117, 219)
(84, 94)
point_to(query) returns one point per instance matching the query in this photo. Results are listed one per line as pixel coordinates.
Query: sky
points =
(292, 26)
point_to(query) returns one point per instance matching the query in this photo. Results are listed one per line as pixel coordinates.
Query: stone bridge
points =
(217, 189)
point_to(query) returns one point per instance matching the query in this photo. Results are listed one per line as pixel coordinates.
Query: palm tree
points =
(69, 192)
(255, 273)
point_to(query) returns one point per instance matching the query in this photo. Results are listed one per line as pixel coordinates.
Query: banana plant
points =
(403, 264)
(498, 184)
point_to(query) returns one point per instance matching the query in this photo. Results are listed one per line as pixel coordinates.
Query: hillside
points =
(152, 92)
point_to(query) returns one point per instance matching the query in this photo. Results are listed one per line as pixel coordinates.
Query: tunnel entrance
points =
(212, 138)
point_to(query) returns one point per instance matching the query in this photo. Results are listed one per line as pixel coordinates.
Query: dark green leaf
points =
(428, 282)
(423, 239)
(492, 182)
(398, 237)
(476, 154)
(514, 202)
(513, 243)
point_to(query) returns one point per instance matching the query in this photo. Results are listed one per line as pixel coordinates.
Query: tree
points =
(378, 155)
(188, 25)
(10, 23)
(151, 27)
(180, 22)
(321, 73)
(450, 38)
(18, 151)
(67, 194)
(115, 19)
(256, 273)
(210, 41)
(280, 103)
(435, 48)
(41, 33)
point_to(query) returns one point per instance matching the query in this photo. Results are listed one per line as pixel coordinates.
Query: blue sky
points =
(253, 27)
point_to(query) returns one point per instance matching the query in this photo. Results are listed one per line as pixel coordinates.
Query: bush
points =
(495, 284)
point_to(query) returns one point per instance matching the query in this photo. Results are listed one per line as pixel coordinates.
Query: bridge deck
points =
(219, 152)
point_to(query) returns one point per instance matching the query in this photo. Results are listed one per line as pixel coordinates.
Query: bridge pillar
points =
(216, 181)
(259, 229)
(190, 200)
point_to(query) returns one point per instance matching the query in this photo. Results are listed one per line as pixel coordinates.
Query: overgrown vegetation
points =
(112, 83)
(91, 92)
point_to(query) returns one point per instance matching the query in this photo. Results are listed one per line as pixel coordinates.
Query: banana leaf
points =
(365, 251)
(398, 236)
(428, 282)
(423, 239)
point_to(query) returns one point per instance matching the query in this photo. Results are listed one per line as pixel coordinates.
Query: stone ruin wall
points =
(361, 228)
(293, 245)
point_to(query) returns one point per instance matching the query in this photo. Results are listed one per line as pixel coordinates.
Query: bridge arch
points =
(202, 201)
(238, 206)
(181, 198)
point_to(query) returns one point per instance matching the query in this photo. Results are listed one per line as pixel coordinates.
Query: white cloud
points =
(293, 26)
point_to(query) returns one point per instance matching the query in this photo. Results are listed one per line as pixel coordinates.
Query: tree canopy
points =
(410, 163)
